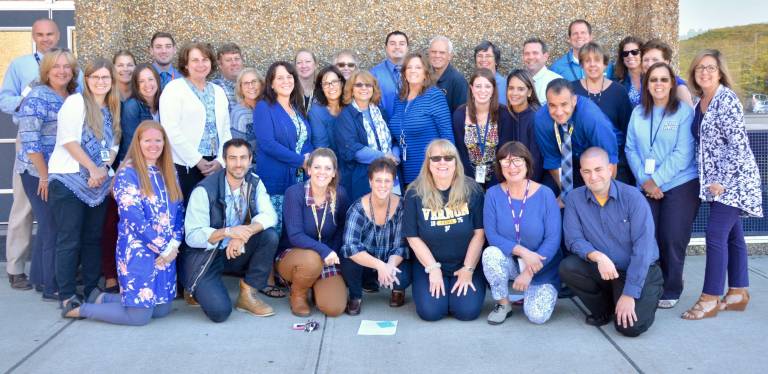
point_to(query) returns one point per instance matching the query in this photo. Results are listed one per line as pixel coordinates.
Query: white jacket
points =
(182, 115)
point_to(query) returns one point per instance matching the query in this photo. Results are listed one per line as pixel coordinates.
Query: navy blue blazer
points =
(276, 159)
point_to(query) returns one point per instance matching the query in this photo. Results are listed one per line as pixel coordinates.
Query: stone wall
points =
(268, 31)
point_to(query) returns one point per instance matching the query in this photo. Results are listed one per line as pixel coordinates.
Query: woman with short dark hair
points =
(329, 86)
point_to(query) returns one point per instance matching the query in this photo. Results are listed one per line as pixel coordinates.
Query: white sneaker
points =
(667, 304)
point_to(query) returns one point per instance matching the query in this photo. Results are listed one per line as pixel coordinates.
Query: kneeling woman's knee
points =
(218, 314)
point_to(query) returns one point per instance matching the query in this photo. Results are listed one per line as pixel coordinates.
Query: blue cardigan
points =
(351, 137)
(323, 123)
(276, 158)
(132, 113)
(426, 118)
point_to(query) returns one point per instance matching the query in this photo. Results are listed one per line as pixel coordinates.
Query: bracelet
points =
(429, 268)
(470, 269)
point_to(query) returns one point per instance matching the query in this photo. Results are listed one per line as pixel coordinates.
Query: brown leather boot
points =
(300, 285)
(189, 299)
(249, 302)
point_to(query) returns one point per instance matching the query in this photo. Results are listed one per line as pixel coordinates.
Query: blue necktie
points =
(398, 79)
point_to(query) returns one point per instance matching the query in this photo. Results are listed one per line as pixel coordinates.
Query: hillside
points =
(746, 52)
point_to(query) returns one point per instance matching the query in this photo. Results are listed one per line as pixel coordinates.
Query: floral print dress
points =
(147, 225)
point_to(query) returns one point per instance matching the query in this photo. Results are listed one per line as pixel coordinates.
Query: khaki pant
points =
(19, 239)
(330, 293)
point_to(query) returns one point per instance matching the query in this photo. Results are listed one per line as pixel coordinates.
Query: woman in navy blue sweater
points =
(282, 133)
(362, 134)
(420, 115)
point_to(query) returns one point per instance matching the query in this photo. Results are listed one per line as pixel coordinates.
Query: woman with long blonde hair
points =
(150, 205)
(87, 139)
(443, 223)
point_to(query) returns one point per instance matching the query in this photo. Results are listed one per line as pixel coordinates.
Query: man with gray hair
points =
(535, 55)
(449, 80)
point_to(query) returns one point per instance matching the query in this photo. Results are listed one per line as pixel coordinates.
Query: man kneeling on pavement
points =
(229, 229)
(609, 228)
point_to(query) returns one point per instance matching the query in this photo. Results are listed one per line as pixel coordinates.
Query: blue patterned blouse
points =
(37, 121)
(209, 142)
(147, 225)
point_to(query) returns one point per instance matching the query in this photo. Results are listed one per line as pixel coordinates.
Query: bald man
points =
(608, 227)
(21, 72)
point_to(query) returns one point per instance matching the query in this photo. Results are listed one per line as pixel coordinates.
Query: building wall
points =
(268, 31)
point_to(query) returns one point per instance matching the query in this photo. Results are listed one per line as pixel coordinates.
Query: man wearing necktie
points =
(388, 73)
(162, 49)
(567, 126)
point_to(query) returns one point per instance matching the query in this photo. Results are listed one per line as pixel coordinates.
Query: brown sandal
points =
(735, 300)
(706, 307)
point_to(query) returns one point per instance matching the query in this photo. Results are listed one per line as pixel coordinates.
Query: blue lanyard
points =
(37, 58)
(481, 141)
(517, 218)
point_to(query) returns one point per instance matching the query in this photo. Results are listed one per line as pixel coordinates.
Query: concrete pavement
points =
(36, 340)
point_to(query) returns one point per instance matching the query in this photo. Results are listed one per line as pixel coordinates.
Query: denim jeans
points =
(43, 268)
(256, 262)
(464, 308)
(354, 275)
(78, 239)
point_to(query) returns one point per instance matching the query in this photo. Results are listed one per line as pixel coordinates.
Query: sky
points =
(712, 14)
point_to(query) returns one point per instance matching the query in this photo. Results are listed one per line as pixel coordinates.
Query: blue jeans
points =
(463, 308)
(353, 276)
(78, 239)
(256, 263)
(43, 268)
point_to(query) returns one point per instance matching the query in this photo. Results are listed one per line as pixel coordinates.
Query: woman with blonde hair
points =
(248, 88)
(149, 233)
(37, 121)
(87, 139)
(443, 223)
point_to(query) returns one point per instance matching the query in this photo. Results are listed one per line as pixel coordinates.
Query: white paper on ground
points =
(368, 327)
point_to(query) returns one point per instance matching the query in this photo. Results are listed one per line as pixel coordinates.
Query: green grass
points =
(746, 53)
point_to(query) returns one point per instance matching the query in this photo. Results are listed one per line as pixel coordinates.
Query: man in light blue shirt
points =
(535, 55)
(229, 228)
(567, 66)
(162, 49)
(388, 72)
(21, 73)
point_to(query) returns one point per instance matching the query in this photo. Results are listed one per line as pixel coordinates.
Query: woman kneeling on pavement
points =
(373, 238)
(150, 229)
(314, 216)
(525, 249)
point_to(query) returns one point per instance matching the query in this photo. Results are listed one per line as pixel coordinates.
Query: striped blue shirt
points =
(417, 122)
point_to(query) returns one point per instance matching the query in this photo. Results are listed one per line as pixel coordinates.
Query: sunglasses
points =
(656, 80)
(444, 158)
(362, 85)
(342, 65)
(633, 52)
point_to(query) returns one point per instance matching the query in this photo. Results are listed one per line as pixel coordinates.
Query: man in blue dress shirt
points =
(449, 80)
(23, 71)
(609, 228)
(162, 49)
(565, 128)
(388, 72)
(579, 33)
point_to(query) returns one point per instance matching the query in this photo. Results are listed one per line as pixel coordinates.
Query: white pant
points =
(19, 239)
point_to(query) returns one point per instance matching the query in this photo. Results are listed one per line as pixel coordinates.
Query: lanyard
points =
(376, 231)
(162, 190)
(557, 135)
(517, 218)
(652, 134)
(320, 224)
(37, 58)
(481, 141)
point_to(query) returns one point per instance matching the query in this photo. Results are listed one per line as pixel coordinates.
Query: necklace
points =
(596, 96)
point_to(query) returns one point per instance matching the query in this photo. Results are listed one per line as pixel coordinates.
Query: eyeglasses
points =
(103, 78)
(656, 80)
(444, 158)
(333, 83)
(707, 68)
(363, 85)
(633, 52)
(342, 65)
(507, 162)
(252, 83)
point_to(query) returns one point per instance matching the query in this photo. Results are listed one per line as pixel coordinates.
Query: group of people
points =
(338, 180)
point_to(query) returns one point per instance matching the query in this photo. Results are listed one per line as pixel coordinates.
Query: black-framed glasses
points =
(363, 85)
(707, 68)
(633, 52)
(507, 162)
(446, 158)
(333, 83)
(342, 65)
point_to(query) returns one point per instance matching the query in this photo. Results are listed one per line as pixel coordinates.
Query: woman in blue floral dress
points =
(150, 229)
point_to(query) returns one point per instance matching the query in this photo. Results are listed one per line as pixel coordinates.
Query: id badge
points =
(480, 171)
(105, 155)
(405, 152)
(650, 166)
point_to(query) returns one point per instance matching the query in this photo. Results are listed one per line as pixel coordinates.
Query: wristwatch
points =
(469, 269)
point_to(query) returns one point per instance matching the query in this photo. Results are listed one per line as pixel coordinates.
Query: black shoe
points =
(565, 293)
(50, 297)
(69, 305)
(599, 320)
(19, 282)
